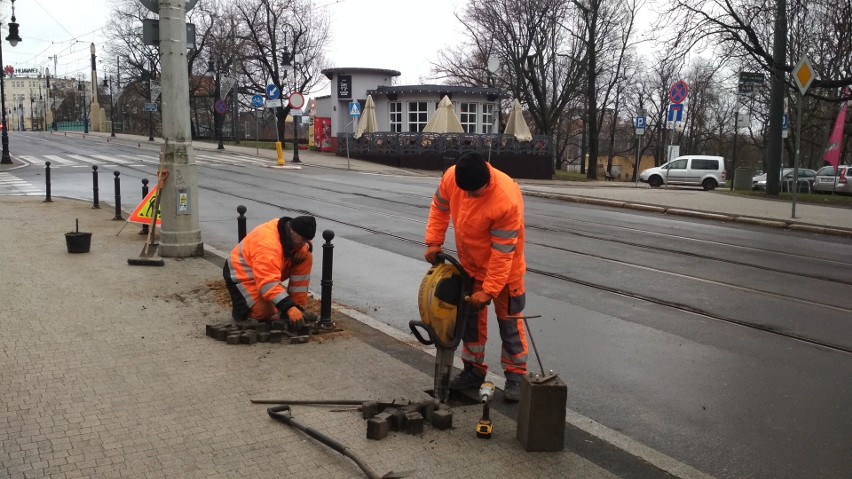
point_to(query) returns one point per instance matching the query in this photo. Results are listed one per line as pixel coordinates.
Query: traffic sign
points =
(257, 101)
(749, 82)
(675, 112)
(145, 210)
(272, 92)
(151, 107)
(785, 126)
(354, 109)
(273, 103)
(220, 106)
(803, 74)
(297, 101)
(678, 92)
(639, 124)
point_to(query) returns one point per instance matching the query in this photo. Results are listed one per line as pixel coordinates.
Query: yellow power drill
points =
(486, 394)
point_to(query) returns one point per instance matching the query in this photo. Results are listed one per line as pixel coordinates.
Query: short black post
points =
(241, 222)
(144, 230)
(326, 282)
(117, 196)
(97, 203)
(47, 182)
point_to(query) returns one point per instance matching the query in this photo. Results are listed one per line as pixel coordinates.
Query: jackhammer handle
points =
(413, 325)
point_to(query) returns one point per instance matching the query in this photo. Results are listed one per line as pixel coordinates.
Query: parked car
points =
(827, 181)
(707, 172)
(806, 180)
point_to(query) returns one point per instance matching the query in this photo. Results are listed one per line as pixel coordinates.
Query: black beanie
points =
(305, 226)
(472, 172)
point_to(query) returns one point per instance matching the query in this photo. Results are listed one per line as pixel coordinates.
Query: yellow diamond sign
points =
(803, 74)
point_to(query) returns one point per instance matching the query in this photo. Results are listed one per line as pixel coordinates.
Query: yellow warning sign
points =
(803, 74)
(145, 211)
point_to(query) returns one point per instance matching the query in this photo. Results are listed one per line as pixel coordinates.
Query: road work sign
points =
(145, 211)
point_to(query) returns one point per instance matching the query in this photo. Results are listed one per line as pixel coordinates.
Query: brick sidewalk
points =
(106, 372)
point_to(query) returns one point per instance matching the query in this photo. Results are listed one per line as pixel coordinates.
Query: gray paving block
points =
(442, 419)
(377, 428)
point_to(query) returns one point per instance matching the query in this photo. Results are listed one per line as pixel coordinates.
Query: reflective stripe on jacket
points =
(489, 229)
(259, 268)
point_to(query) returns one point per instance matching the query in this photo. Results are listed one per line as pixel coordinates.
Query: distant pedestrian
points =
(276, 251)
(487, 211)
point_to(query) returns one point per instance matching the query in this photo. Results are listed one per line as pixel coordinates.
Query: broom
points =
(146, 257)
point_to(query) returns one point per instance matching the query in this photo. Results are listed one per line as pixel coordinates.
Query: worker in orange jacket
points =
(274, 252)
(487, 211)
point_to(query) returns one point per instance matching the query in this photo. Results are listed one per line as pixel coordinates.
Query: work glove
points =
(297, 319)
(479, 299)
(432, 252)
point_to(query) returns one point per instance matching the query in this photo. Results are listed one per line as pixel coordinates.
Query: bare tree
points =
(272, 31)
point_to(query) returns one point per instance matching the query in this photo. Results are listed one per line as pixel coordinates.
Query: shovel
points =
(282, 414)
(146, 257)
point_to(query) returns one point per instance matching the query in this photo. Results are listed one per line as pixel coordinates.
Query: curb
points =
(767, 222)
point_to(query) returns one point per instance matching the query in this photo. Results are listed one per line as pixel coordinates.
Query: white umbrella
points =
(516, 125)
(367, 122)
(444, 120)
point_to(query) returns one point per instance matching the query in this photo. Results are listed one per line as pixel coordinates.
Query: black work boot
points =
(470, 377)
(512, 390)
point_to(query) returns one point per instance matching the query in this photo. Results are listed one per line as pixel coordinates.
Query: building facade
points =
(28, 102)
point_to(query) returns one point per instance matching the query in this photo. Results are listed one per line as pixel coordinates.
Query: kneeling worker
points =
(257, 267)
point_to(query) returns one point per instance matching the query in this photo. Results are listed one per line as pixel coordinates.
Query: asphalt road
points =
(725, 346)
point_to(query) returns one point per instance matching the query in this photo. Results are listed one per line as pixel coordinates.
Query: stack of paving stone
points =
(408, 418)
(248, 332)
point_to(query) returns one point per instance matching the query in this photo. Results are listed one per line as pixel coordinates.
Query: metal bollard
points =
(326, 282)
(47, 182)
(97, 203)
(117, 196)
(144, 230)
(241, 223)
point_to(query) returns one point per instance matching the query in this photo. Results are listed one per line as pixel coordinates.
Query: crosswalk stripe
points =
(111, 159)
(17, 186)
(86, 159)
(33, 160)
(58, 160)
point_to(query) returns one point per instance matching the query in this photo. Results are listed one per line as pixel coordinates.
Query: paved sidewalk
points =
(106, 372)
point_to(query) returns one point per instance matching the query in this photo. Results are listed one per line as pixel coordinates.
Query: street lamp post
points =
(215, 67)
(82, 88)
(13, 40)
(111, 109)
(32, 120)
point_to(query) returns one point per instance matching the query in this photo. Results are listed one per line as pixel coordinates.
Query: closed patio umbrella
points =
(516, 125)
(367, 122)
(444, 120)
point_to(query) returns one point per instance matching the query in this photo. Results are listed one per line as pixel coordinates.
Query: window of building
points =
(467, 116)
(488, 118)
(396, 116)
(417, 116)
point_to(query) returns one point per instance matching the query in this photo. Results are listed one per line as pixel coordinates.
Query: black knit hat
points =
(472, 172)
(305, 226)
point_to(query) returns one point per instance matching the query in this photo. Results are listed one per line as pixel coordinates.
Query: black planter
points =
(78, 242)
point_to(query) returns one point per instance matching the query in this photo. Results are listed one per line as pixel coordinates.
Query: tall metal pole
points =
(6, 159)
(219, 117)
(111, 111)
(798, 148)
(150, 113)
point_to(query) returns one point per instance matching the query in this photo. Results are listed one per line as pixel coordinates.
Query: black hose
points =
(308, 402)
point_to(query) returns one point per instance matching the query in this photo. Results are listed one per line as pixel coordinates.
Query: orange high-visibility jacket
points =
(259, 268)
(489, 229)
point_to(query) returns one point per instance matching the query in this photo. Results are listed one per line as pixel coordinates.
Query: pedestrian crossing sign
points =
(143, 213)
(354, 109)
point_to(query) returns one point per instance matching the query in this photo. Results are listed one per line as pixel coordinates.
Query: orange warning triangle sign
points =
(145, 211)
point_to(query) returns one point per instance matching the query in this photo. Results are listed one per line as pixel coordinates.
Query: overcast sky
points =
(403, 35)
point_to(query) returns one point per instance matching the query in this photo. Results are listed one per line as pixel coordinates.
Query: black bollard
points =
(241, 223)
(144, 230)
(117, 196)
(47, 182)
(326, 282)
(97, 203)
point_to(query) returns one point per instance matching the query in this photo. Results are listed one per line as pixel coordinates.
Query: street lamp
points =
(287, 57)
(111, 109)
(216, 68)
(82, 88)
(13, 40)
(32, 120)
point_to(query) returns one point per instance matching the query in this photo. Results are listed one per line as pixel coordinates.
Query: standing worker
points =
(487, 210)
(257, 267)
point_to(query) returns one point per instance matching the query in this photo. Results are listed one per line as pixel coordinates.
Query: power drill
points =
(486, 394)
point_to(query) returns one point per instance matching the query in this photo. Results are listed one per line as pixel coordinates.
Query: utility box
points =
(742, 179)
(541, 413)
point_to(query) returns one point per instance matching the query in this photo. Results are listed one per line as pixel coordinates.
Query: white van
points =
(707, 172)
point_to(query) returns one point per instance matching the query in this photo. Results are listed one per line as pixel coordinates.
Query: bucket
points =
(77, 241)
